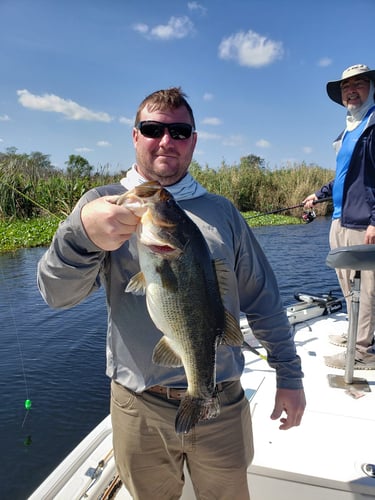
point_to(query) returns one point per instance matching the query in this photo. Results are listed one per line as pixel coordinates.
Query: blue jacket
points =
(358, 205)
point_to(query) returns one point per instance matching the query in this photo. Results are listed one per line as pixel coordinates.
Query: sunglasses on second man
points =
(155, 130)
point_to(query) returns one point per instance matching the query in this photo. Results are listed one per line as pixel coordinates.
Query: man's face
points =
(164, 159)
(354, 91)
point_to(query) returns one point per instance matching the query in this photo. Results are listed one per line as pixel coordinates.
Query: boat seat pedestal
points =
(357, 258)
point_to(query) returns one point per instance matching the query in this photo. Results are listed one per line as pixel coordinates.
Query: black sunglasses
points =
(155, 130)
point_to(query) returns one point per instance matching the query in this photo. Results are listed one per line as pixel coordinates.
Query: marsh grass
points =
(31, 187)
(252, 186)
(35, 196)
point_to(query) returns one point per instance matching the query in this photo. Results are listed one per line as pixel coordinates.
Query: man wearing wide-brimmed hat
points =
(353, 193)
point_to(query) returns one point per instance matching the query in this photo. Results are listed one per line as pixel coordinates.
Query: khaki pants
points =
(150, 455)
(343, 237)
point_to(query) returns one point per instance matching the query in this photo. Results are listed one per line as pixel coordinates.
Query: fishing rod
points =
(310, 216)
(28, 198)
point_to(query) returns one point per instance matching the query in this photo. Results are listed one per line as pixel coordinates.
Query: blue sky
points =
(74, 71)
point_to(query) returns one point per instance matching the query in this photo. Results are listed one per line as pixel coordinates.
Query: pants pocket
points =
(122, 397)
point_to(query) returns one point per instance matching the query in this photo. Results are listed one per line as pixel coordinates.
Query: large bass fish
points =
(182, 287)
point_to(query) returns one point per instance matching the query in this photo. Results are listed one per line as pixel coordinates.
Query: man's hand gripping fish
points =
(182, 286)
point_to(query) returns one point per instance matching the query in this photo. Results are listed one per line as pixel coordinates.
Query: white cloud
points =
(141, 28)
(177, 27)
(307, 149)
(103, 144)
(250, 49)
(211, 121)
(324, 62)
(126, 121)
(208, 136)
(263, 143)
(207, 96)
(197, 6)
(1, 140)
(53, 103)
(83, 150)
(4, 118)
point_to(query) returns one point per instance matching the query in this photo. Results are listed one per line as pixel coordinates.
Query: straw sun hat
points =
(334, 89)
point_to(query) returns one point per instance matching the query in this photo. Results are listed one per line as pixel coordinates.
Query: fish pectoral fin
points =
(164, 355)
(232, 332)
(137, 284)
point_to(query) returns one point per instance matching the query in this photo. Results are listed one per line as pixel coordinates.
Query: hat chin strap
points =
(355, 116)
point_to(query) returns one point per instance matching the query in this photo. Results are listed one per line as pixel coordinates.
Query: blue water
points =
(298, 254)
(57, 358)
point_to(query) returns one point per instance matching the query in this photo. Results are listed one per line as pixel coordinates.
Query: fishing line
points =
(27, 403)
(28, 198)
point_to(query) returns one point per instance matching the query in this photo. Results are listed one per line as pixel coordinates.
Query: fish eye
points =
(170, 203)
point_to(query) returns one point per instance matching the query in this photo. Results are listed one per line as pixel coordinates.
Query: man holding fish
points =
(178, 265)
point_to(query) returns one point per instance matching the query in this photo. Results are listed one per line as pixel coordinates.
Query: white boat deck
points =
(323, 459)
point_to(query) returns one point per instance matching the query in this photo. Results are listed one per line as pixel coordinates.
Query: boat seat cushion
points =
(356, 257)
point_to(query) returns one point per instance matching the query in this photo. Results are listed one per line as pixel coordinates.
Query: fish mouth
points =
(155, 230)
(153, 242)
(161, 249)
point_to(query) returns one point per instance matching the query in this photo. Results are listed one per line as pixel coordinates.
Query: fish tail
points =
(192, 410)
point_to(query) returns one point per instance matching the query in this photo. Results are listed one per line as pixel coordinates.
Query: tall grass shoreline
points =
(35, 196)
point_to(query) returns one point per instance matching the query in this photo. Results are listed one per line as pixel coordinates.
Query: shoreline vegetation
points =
(35, 196)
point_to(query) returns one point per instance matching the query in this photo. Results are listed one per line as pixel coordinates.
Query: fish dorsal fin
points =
(137, 284)
(232, 332)
(164, 355)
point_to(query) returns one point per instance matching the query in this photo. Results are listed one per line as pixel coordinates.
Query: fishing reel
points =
(308, 216)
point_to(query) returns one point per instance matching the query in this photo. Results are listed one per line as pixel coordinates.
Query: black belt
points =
(174, 392)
